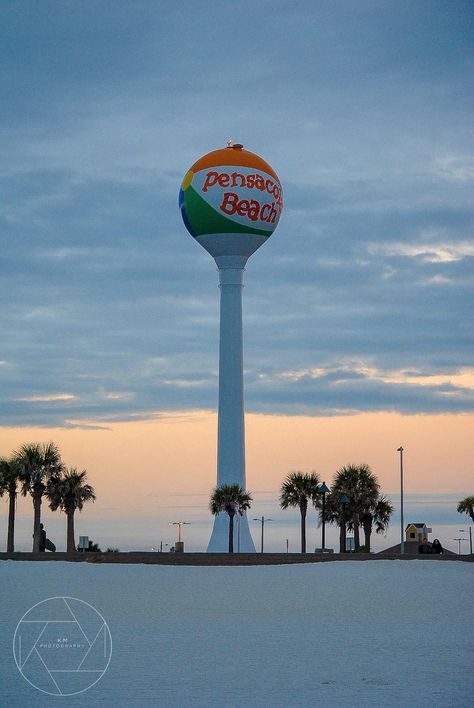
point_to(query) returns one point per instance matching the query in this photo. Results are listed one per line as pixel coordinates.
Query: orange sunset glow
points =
(176, 453)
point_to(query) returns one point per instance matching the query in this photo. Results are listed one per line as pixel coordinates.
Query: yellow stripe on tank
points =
(188, 178)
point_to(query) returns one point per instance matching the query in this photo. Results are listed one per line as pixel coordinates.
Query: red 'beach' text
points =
(251, 208)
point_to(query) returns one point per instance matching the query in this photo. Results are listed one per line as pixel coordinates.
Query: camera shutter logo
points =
(62, 646)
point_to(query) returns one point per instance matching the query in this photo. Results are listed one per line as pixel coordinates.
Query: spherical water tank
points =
(231, 201)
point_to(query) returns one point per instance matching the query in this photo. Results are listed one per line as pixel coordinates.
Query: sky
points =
(358, 310)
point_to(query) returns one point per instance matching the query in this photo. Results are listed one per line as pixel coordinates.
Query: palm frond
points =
(69, 491)
(230, 498)
(466, 506)
(298, 489)
(36, 462)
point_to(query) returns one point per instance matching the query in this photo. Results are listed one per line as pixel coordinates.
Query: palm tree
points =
(334, 515)
(232, 499)
(8, 482)
(68, 491)
(37, 462)
(379, 515)
(296, 491)
(466, 506)
(360, 485)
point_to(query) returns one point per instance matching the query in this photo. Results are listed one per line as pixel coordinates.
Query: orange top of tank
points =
(233, 155)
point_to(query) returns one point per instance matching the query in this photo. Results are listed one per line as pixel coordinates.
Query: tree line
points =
(38, 470)
(363, 504)
(354, 503)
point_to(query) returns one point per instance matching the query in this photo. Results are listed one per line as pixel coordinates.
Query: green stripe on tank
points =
(205, 220)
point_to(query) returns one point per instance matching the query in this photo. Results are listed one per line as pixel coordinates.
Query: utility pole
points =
(262, 521)
(402, 530)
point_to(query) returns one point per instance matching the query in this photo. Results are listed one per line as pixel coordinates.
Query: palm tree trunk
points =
(356, 533)
(36, 522)
(11, 521)
(303, 531)
(367, 534)
(367, 541)
(71, 544)
(342, 537)
(231, 533)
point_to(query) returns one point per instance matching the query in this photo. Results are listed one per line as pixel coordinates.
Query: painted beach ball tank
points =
(231, 201)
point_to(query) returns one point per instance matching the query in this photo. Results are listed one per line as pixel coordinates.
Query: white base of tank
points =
(219, 542)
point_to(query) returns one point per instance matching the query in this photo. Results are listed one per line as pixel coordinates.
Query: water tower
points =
(231, 202)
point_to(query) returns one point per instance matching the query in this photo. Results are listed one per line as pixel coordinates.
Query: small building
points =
(417, 532)
(414, 535)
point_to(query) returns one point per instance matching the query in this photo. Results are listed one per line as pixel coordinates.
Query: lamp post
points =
(459, 543)
(402, 530)
(323, 489)
(262, 521)
(344, 499)
(470, 538)
(465, 539)
(179, 524)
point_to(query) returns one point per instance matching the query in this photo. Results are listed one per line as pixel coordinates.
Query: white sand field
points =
(377, 633)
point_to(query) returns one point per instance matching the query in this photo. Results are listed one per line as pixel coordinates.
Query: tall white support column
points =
(231, 426)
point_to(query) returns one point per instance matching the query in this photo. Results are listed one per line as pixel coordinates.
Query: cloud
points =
(463, 378)
(50, 397)
(105, 295)
(118, 395)
(455, 167)
(356, 386)
(436, 280)
(430, 253)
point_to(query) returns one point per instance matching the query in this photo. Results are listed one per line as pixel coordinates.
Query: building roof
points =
(418, 526)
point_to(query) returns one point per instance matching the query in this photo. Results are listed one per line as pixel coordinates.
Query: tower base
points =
(219, 542)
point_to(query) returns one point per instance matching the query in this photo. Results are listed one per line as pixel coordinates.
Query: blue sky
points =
(360, 301)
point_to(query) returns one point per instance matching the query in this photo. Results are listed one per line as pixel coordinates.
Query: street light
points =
(344, 499)
(402, 530)
(459, 543)
(323, 489)
(465, 539)
(262, 521)
(179, 524)
(470, 537)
